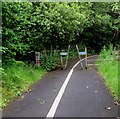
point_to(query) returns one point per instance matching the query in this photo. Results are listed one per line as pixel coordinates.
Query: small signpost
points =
(37, 56)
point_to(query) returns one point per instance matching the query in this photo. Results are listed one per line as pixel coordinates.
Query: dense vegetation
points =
(28, 27)
(109, 70)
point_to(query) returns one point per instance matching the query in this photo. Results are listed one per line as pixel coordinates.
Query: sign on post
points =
(37, 56)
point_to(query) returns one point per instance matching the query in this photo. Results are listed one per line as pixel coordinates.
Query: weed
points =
(109, 70)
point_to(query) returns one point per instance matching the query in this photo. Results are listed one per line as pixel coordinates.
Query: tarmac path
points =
(85, 95)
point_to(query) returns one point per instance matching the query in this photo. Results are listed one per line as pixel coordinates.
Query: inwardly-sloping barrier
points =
(65, 54)
(115, 53)
(82, 53)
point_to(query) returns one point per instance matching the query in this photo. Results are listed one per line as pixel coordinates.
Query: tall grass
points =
(109, 70)
(16, 79)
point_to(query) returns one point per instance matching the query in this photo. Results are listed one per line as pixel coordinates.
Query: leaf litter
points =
(41, 101)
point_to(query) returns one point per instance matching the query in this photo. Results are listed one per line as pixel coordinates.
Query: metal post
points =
(67, 57)
(86, 57)
(79, 57)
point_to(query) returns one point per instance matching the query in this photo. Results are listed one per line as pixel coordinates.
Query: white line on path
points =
(56, 102)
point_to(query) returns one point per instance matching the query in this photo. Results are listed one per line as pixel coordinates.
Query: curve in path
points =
(56, 102)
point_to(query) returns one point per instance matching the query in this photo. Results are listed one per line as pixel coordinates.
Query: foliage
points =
(15, 29)
(48, 62)
(107, 53)
(109, 70)
(105, 29)
(30, 27)
(16, 79)
(35, 26)
(51, 60)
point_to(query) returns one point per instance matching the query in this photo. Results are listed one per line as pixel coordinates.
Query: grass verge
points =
(16, 79)
(109, 70)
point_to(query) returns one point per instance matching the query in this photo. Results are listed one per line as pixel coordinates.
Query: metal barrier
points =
(65, 54)
(82, 53)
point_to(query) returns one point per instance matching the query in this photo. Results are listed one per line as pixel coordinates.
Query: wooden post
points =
(61, 61)
(45, 55)
(51, 51)
(118, 55)
(55, 53)
(115, 52)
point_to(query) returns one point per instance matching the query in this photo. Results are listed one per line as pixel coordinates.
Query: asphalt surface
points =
(85, 96)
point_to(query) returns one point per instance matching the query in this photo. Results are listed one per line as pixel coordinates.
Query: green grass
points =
(16, 79)
(109, 70)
